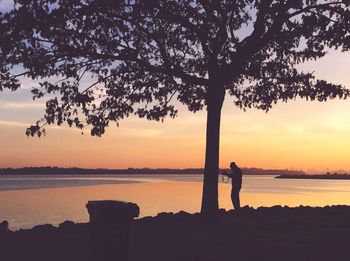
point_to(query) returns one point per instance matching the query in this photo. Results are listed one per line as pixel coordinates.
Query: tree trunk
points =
(215, 98)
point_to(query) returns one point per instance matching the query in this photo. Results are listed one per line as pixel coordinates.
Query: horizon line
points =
(308, 171)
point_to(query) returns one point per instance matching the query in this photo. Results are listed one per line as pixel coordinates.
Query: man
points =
(236, 177)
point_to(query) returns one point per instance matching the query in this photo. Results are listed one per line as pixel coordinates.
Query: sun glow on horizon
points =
(295, 135)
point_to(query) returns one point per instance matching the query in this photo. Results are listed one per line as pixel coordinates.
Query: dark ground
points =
(275, 233)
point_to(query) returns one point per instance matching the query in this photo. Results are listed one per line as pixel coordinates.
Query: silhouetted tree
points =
(143, 54)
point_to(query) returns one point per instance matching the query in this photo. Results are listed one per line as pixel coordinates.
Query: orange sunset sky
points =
(297, 135)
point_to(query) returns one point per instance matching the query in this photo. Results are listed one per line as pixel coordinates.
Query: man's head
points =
(233, 165)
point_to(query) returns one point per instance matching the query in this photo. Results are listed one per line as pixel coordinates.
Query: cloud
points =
(14, 123)
(26, 125)
(141, 132)
(22, 105)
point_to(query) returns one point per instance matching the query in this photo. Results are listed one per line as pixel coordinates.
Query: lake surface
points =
(26, 201)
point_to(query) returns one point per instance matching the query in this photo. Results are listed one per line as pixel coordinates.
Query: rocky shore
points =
(276, 233)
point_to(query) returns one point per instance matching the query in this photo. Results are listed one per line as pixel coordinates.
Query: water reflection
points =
(28, 207)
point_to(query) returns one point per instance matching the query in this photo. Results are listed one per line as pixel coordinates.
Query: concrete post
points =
(110, 228)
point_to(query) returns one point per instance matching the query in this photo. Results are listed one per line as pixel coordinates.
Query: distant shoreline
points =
(318, 176)
(139, 171)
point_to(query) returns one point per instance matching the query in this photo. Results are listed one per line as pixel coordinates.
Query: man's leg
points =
(235, 200)
(238, 201)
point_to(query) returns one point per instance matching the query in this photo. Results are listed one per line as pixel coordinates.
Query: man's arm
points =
(227, 174)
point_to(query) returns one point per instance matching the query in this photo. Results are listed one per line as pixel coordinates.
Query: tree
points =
(142, 55)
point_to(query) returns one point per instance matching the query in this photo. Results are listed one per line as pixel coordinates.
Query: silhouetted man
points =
(236, 177)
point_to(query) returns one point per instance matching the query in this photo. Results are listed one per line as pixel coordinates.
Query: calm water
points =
(26, 201)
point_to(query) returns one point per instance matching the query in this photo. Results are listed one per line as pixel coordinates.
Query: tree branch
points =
(323, 6)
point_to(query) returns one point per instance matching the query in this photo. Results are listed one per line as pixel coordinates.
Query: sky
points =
(299, 135)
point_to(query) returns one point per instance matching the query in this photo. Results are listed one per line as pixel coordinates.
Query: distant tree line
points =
(327, 175)
(100, 171)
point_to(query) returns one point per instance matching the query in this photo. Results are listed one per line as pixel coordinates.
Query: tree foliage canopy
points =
(141, 55)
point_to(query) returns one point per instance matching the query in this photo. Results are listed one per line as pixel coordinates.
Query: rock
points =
(44, 228)
(230, 212)
(276, 207)
(4, 227)
(247, 208)
(247, 211)
(183, 214)
(165, 215)
(222, 212)
(145, 219)
(275, 210)
(67, 225)
(184, 217)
